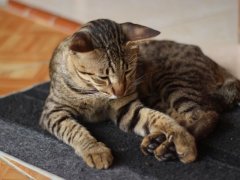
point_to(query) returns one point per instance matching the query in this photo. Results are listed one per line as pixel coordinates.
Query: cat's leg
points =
(149, 123)
(199, 121)
(60, 121)
(228, 88)
(229, 91)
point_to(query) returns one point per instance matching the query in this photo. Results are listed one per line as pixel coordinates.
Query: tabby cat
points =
(167, 92)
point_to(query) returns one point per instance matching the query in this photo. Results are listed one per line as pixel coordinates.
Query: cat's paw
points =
(181, 145)
(157, 145)
(185, 145)
(99, 156)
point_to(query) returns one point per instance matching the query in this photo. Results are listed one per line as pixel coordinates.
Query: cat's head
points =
(107, 56)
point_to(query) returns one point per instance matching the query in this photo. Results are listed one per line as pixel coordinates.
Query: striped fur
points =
(150, 88)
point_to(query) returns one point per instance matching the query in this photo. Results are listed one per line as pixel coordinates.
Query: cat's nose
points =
(118, 89)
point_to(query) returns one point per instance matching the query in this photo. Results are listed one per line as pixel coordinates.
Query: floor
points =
(12, 168)
(8, 172)
(25, 50)
(26, 46)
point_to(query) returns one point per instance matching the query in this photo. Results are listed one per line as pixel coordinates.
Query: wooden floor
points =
(25, 50)
(9, 172)
(12, 168)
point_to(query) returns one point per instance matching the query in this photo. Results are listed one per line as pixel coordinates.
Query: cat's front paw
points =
(157, 145)
(99, 156)
(179, 144)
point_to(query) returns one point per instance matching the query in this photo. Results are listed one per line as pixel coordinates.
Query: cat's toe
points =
(99, 160)
(151, 142)
(185, 147)
(99, 156)
(160, 139)
(159, 146)
(155, 142)
(167, 156)
(151, 147)
(165, 151)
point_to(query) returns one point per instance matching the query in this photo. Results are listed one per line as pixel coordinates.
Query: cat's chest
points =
(94, 109)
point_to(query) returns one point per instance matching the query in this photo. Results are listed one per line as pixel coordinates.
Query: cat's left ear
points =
(81, 42)
(134, 32)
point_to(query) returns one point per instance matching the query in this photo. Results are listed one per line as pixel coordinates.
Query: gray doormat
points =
(20, 136)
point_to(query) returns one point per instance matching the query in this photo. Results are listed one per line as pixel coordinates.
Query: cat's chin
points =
(112, 97)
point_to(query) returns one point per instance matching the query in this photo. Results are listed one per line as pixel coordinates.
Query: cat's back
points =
(176, 57)
(163, 63)
(166, 49)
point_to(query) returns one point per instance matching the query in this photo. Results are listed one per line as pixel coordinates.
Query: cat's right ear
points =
(81, 42)
(134, 32)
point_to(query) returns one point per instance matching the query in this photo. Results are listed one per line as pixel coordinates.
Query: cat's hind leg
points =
(229, 92)
(199, 121)
(227, 89)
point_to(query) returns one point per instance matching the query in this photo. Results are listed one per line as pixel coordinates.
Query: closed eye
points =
(103, 77)
(100, 80)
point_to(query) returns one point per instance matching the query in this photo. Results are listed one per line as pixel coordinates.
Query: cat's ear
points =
(135, 32)
(81, 42)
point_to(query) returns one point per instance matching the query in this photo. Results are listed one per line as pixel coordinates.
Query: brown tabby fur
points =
(151, 88)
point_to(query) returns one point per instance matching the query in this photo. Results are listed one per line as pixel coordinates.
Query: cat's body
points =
(179, 80)
(137, 88)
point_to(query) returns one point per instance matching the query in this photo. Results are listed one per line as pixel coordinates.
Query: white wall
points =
(193, 21)
(3, 2)
(211, 24)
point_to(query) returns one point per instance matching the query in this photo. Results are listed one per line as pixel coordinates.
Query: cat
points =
(169, 93)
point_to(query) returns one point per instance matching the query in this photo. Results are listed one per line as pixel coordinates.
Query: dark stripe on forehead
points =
(100, 30)
(92, 26)
(110, 63)
(118, 36)
(95, 33)
(105, 33)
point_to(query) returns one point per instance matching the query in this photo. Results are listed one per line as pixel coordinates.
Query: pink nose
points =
(118, 89)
